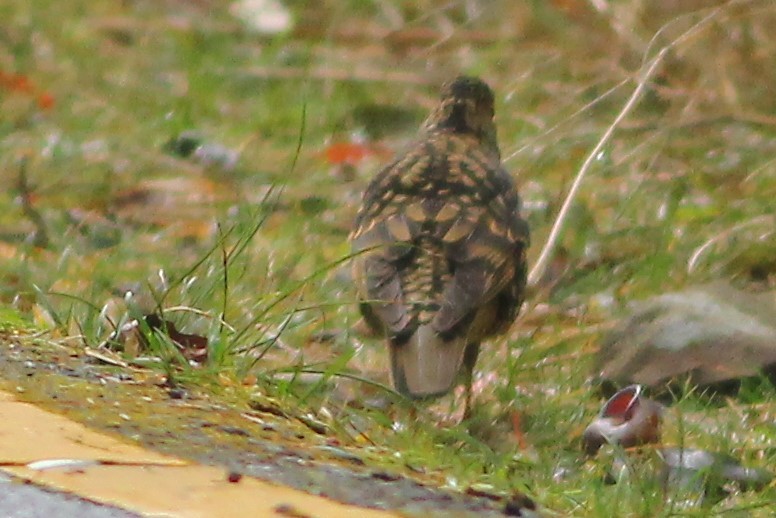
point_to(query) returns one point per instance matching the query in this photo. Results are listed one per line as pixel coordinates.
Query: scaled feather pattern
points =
(439, 245)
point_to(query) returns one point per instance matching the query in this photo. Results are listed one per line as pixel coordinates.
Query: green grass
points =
(261, 246)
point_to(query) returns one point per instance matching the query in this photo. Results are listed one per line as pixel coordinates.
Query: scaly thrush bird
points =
(439, 246)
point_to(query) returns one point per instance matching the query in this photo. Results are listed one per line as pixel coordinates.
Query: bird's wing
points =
(486, 249)
(382, 240)
(473, 219)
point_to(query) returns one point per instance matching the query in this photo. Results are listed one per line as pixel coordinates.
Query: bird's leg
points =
(468, 398)
(469, 360)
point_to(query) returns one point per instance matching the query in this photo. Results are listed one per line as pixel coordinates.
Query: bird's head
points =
(466, 106)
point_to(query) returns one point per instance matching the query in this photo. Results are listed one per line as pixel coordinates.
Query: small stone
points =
(385, 476)
(520, 505)
(234, 430)
(177, 393)
(290, 510)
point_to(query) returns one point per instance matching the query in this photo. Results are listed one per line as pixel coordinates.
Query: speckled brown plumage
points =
(439, 245)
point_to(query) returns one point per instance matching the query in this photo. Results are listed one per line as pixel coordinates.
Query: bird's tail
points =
(426, 366)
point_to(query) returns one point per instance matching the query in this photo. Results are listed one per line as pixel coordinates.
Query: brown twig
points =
(364, 75)
(757, 119)
(40, 235)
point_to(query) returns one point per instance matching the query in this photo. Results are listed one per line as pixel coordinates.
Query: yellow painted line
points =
(143, 481)
(28, 433)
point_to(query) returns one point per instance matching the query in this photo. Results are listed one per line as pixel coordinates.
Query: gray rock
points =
(712, 334)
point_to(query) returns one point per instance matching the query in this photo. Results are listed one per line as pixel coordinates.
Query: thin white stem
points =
(545, 256)
(549, 247)
(692, 263)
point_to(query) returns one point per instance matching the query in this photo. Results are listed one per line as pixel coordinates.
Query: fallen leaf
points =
(346, 152)
(46, 101)
(626, 419)
(193, 347)
(263, 16)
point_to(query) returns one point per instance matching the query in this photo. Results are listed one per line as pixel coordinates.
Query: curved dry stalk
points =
(201, 313)
(538, 270)
(692, 263)
(549, 247)
(566, 120)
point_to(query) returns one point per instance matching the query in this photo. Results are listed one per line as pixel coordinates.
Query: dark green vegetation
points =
(683, 193)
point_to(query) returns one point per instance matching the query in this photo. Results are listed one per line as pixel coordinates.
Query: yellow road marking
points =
(152, 483)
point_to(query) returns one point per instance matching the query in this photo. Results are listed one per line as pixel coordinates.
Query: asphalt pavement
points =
(21, 500)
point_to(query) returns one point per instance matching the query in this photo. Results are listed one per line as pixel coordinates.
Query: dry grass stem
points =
(549, 247)
(537, 272)
(359, 75)
(767, 221)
